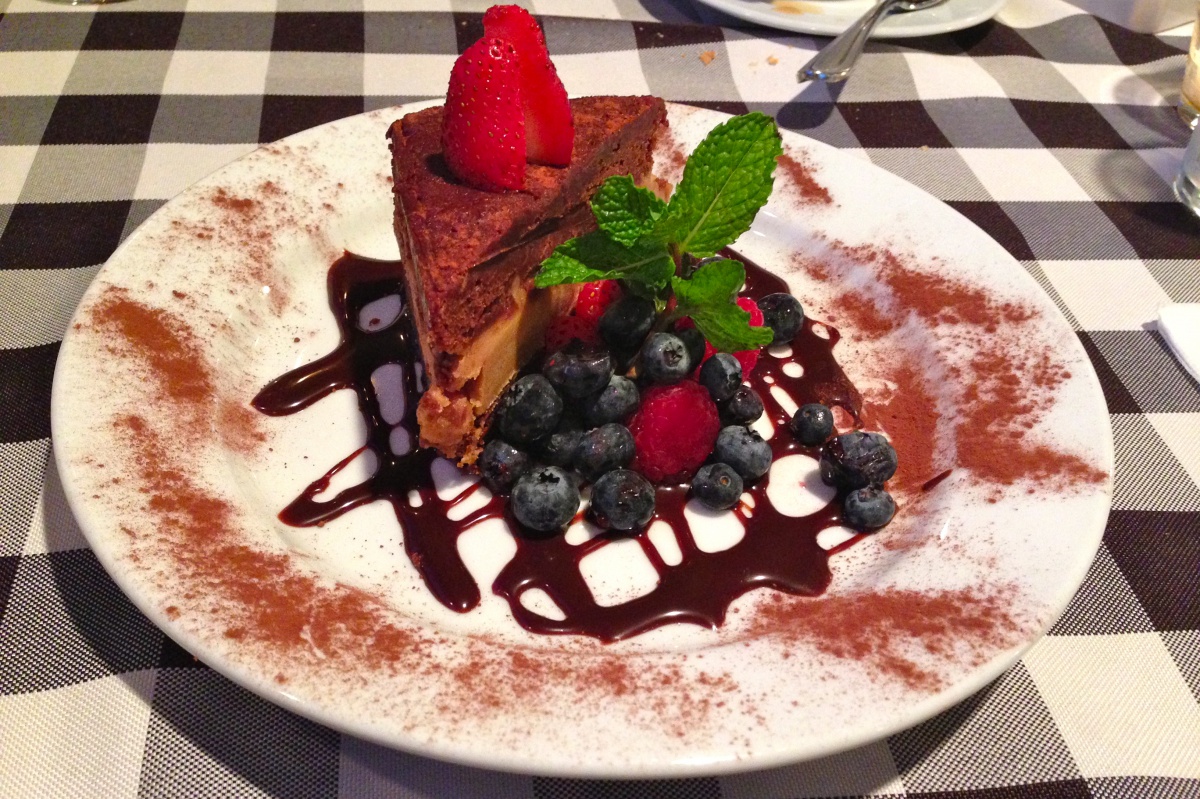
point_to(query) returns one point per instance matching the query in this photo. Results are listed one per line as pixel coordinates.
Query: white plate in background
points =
(831, 17)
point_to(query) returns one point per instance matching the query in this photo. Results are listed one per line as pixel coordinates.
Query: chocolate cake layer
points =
(446, 229)
(470, 255)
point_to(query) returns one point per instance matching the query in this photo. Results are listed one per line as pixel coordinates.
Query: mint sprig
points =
(645, 267)
(709, 297)
(726, 180)
(626, 211)
(642, 240)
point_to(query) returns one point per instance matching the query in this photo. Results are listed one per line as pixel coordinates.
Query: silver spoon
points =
(836, 59)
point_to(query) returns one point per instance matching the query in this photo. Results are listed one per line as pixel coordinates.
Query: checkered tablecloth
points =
(1051, 129)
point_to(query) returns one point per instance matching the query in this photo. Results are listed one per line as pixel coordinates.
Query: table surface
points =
(1051, 129)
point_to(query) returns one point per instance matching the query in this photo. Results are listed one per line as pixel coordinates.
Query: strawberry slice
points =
(483, 127)
(549, 129)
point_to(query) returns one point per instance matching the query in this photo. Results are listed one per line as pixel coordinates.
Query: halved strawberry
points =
(549, 129)
(483, 128)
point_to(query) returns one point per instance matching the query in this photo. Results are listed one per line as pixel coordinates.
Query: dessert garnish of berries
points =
(645, 383)
(505, 105)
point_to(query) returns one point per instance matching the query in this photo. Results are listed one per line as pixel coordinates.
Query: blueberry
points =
(812, 424)
(545, 499)
(744, 450)
(528, 410)
(603, 449)
(613, 404)
(622, 500)
(665, 359)
(868, 508)
(578, 370)
(744, 407)
(626, 322)
(721, 375)
(558, 448)
(501, 464)
(783, 314)
(857, 460)
(717, 485)
(693, 339)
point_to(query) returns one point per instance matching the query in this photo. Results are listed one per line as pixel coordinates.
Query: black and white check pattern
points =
(1052, 130)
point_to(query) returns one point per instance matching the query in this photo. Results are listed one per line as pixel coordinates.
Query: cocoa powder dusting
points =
(238, 427)
(243, 206)
(172, 353)
(798, 169)
(263, 596)
(174, 364)
(900, 634)
(668, 149)
(249, 225)
(911, 420)
(500, 679)
(1006, 385)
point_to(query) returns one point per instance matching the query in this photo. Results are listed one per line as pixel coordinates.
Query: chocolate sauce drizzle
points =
(777, 551)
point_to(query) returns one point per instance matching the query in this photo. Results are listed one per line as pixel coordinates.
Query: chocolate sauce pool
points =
(777, 551)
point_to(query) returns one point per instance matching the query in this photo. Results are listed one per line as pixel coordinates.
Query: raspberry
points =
(564, 328)
(747, 358)
(594, 298)
(751, 307)
(674, 431)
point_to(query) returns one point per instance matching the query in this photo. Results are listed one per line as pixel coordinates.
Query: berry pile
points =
(627, 400)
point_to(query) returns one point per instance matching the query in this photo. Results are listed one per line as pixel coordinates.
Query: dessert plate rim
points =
(313, 691)
(831, 17)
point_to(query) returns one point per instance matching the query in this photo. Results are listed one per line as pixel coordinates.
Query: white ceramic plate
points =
(177, 483)
(831, 17)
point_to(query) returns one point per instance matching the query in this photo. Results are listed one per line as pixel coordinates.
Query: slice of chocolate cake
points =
(470, 255)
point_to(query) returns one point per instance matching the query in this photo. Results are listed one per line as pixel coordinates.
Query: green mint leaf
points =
(727, 328)
(726, 180)
(715, 283)
(652, 276)
(624, 210)
(646, 266)
(709, 298)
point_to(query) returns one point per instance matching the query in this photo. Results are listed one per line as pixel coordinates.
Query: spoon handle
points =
(836, 59)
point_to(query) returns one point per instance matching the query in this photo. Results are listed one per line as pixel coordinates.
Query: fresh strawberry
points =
(549, 129)
(594, 299)
(483, 127)
(564, 328)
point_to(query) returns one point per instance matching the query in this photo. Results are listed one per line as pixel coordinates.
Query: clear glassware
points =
(1189, 93)
(1187, 183)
